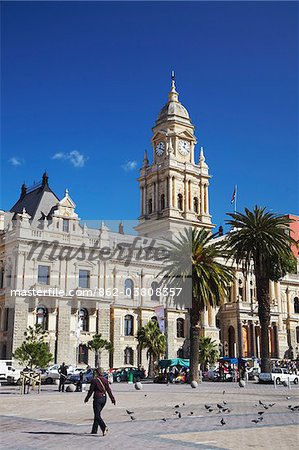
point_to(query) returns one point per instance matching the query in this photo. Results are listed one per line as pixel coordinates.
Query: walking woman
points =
(99, 387)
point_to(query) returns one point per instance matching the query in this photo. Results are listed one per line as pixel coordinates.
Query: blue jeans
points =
(98, 405)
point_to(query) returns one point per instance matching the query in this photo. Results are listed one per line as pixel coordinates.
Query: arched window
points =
(83, 354)
(154, 287)
(83, 319)
(129, 288)
(162, 201)
(128, 356)
(195, 205)
(180, 202)
(180, 328)
(296, 305)
(150, 206)
(129, 325)
(42, 317)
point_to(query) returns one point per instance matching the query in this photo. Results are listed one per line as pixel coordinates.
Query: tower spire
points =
(173, 96)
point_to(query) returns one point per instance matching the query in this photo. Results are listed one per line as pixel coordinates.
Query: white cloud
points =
(130, 165)
(14, 161)
(76, 158)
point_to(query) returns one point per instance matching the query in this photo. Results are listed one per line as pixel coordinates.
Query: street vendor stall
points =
(173, 370)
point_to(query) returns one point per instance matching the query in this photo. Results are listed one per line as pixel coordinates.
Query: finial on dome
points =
(145, 159)
(173, 95)
(201, 155)
(66, 192)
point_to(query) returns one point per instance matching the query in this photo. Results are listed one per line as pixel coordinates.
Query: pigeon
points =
(255, 421)
(210, 410)
(145, 395)
(179, 415)
(290, 406)
(129, 412)
(164, 420)
(222, 421)
(261, 413)
(288, 398)
(224, 402)
(219, 406)
(266, 407)
(132, 418)
(183, 404)
(176, 412)
(207, 406)
(271, 404)
(177, 406)
(228, 411)
(260, 418)
(261, 403)
(224, 409)
(223, 392)
(191, 413)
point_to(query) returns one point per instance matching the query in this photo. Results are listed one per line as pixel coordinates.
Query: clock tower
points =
(174, 188)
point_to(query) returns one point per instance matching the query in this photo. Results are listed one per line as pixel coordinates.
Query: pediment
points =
(187, 134)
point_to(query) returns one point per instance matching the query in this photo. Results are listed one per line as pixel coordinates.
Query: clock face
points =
(184, 147)
(160, 147)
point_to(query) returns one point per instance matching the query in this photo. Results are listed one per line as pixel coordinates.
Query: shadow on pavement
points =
(60, 432)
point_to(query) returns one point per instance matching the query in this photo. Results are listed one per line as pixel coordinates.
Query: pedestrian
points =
(99, 387)
(63, 376)
(79, 382)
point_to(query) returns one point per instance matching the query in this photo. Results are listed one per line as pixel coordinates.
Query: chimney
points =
(121, 228)
(23, 190)
(45, 179)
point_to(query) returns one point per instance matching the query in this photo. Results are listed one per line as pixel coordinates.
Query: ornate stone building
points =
(77, 280)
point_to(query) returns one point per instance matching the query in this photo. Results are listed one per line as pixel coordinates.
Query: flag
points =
(78, 330)
(234, 194)
(159, 310)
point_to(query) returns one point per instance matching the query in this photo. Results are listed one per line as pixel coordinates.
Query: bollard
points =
(275, 386)
(289, 383)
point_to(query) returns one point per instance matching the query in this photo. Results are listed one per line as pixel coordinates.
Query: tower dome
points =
(173, 110)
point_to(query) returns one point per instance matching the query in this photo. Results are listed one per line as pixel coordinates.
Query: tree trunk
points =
(151, 366)
(194, 340)
(263, 298)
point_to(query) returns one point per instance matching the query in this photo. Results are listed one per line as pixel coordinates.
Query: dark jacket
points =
(99, 389)
(63, 371)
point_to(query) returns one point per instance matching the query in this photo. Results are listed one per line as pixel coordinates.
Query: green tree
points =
(34, 351)
(208, 352)
(97, 345)
(151, 338)
(195, 257)
(262, 239)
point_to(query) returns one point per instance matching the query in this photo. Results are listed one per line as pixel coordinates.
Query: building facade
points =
(77, 280)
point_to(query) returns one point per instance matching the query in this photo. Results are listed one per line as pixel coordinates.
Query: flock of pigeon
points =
(223, 409)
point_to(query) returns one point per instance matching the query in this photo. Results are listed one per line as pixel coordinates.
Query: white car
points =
(51, 374)
(279, 375)
(14, 376)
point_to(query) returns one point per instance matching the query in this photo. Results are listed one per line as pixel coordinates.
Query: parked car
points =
(87, 376)
(14, 376)
(51, 374)
(5, 368)
(279, 375)
(122, 374)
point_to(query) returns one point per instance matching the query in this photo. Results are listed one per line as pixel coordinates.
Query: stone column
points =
(18, 322)
(174, 200)
(278, 295)
(207, 199)
(170, 192)
(63, 332)
(202, 198)
(186, 195)
(104, 330)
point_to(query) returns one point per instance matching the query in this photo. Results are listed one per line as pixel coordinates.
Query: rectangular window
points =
(43, 276)
(66, 226)
(84, 277)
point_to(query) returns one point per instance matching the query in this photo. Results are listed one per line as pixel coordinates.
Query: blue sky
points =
(82, 84)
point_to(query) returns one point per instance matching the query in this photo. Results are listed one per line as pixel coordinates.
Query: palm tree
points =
(150, 337)
(263, 239)
(194, 257)
(97, 345)
(208, 352)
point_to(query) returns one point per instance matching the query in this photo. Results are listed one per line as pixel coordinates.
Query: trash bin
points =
(130, 378)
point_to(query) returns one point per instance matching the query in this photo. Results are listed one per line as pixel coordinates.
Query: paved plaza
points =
(53, 420)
